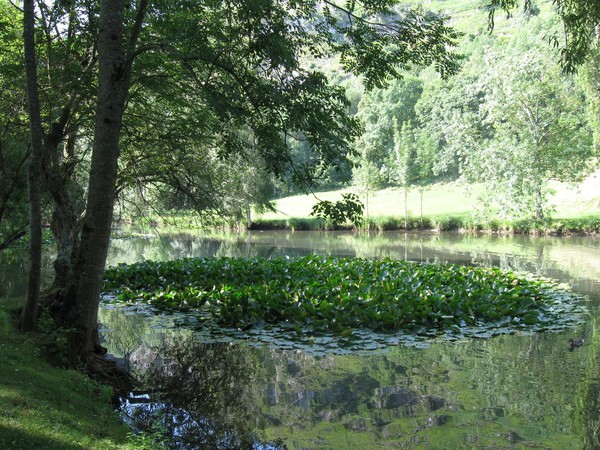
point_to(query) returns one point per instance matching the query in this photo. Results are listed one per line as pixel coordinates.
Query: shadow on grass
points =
(11, 438)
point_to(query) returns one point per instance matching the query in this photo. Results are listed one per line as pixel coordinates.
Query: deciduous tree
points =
(14, 138)
(34, 173)
(581, 32)
(538, 121)
(234, 68)
(403, 161)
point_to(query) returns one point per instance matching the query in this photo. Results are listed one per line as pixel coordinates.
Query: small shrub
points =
(448, 223)
(6, 325)
(304, 224)
(349, 209)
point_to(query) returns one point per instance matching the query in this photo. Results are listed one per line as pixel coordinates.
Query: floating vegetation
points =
(311, 295)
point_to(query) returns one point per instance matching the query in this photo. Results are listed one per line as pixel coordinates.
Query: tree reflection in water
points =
(512, 391)
(196, 396)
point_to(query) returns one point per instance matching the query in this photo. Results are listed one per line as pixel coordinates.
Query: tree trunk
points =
(406, 208)
(65, 229)
(82, 308)
(114, 68)
(30, 311)
(248, 216)
(539, 204)
(422, 190)
(65, 224)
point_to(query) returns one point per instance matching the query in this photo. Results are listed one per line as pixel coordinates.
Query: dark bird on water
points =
(574, 343)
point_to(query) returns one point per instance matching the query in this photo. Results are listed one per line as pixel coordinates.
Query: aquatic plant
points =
(338, 294)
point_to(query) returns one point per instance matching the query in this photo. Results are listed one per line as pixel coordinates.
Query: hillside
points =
(443, 199)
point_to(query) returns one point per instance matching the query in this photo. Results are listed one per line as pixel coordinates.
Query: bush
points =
(348, 210)
(448, 223)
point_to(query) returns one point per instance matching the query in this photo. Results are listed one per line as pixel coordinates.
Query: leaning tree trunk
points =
(83, 298)
(30, 311)
(114, 68)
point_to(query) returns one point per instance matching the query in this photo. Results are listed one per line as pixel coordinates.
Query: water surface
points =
(512, 391)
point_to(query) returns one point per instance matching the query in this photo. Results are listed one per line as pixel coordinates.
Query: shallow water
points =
(512, 391)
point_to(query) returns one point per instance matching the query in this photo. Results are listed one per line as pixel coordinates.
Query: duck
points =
(574, 343)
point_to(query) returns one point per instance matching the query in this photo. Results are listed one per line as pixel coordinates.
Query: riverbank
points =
(585, 224)
(44, 407)
(441, 207)
(443, 199)
(466, 223)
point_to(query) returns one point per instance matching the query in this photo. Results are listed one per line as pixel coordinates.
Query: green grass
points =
(442, 199)
(447, 206)
(43, 407)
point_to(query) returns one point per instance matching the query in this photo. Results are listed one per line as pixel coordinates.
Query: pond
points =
(520, 390)
(511, 391)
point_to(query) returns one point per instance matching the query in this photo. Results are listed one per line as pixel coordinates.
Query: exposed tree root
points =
(109, 372)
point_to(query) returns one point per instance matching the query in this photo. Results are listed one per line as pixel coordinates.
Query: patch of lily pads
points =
(353, 300)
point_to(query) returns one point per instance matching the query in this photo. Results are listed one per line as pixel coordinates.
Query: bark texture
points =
(80, 308)
(30, 311)
(95, 233)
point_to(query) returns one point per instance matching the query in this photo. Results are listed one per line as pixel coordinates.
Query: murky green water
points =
(512, 391)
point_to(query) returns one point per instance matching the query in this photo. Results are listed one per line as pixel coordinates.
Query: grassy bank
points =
(588, 224)
(446, 207)
(43, 407)
(443, 207)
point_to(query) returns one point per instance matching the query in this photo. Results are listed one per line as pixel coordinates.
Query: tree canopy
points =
(581, 21)
(511, 120)
(154, 93)
(186, 101)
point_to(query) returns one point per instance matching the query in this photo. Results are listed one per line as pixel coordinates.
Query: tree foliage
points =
(537, 131)
(349, 209)
(591, 86)
(382, 112)
(14, 148)
(581, 20)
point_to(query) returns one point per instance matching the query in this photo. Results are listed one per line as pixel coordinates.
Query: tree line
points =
(108, 102)
(511, 120)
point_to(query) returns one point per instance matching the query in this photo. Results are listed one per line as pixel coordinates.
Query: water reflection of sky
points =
(516, 390)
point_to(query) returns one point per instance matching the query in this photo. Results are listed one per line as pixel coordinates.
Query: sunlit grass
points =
(440, 204)
(441, 199)
(43, 407)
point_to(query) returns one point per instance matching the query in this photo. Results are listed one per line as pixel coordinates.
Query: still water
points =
(512, 391)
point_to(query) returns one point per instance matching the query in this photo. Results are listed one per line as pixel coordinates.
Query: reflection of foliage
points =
(201, 396)
(484, 392)
(123, 334)
(451, 393)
